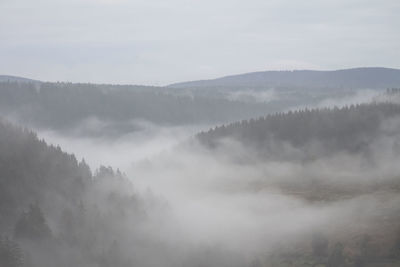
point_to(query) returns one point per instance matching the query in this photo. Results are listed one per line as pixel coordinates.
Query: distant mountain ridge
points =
(371, 77)
(355, 78)
(9, 78)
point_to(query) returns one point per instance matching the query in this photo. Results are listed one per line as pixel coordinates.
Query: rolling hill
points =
(8, 78)
(373, 78)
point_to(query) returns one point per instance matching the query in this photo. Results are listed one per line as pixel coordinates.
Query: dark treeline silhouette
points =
(349, 129)
(65, 105)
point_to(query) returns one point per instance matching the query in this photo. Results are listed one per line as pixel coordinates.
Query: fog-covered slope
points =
(347, 78)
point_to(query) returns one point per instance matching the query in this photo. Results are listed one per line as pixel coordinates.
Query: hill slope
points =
(352, 78)
(315, 132)
(52, 207)
(66, 105)
(8, 78)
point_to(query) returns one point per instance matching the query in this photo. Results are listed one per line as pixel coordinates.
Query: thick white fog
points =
(358, 97)
(253, 96)
(120, 151)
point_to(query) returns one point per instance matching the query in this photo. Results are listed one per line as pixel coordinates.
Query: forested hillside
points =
(320, 131)
(55, 212)
(33, 172)
(62, 106)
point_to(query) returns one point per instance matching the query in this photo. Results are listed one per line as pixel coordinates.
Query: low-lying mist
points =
(144, 141)
(228, 207)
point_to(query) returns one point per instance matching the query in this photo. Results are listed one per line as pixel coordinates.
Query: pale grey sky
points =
(157, 42)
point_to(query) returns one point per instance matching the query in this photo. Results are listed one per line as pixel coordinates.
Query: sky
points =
(158, 42)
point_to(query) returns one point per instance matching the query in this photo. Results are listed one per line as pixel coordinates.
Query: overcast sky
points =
(163, 41)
